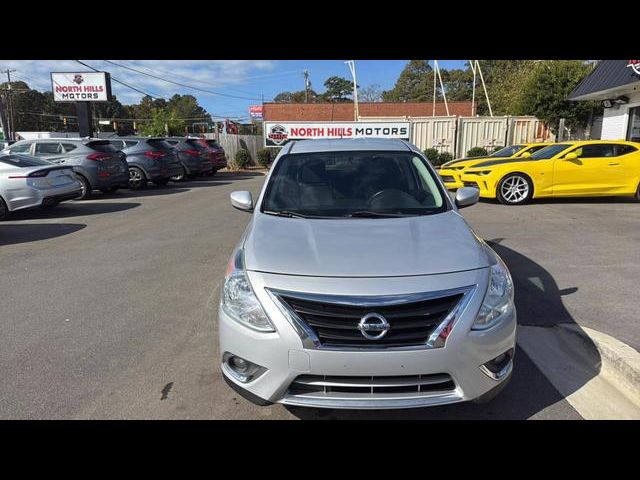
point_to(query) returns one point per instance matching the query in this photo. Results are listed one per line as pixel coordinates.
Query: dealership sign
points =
(277, 134)
(635, 66)
(81, 87)
(256, 112)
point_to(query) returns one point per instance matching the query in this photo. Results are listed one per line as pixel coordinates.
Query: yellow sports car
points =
(450, 172)
(591, 168)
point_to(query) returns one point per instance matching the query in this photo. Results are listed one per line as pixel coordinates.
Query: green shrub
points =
(265, 156)
(242, 158)
(477, 152)
(444, 157)
(432, 155)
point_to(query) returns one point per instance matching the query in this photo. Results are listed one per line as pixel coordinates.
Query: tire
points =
(109, 190)
(86, 188)
(637, 196)
(161, 183)
(137, 179)
(514, 189)
(4, 211)
(180, 177)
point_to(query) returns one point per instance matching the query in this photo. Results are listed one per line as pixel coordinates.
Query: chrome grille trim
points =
(311, 341)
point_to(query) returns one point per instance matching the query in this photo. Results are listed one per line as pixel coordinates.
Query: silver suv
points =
(357, 284)
(98, 165)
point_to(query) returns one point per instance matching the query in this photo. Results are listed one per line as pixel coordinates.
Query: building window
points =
(633, 132)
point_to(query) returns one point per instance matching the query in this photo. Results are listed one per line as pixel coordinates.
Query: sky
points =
(225, 88)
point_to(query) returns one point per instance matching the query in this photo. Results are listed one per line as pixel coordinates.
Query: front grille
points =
(448, 178)
(471, 184)
(366, 386)
(336, 324)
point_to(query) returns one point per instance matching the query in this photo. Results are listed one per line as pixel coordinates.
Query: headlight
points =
(498, 301)
(238, 299)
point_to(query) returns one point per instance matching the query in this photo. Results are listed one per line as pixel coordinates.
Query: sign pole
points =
(85, 125)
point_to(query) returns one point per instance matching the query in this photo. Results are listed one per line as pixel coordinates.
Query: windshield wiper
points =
(370, 214)
(286, 213)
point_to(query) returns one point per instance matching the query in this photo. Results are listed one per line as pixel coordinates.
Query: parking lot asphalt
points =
(108, 306)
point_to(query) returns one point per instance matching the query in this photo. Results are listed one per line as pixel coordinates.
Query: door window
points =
(633, 131)
(46, 148)
(69, 146)
(595, 151)
(22, 148)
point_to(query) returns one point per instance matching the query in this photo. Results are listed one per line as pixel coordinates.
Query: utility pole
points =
(352, 68)
(306, 86)
(10, 134)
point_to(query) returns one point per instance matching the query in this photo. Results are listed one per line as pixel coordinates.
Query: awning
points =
(608, 79)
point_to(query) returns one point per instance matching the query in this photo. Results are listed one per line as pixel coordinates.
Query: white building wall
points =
(615, 120)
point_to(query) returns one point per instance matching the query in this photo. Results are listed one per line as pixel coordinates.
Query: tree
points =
(415, 84)
(372, 93)
(338, 90)
(458, 85)
(545, 93)
(296, 97)
(505, 80)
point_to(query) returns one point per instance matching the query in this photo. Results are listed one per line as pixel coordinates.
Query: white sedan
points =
(27, 182)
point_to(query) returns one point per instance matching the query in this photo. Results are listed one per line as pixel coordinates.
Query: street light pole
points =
(10, 134)
(352, 68)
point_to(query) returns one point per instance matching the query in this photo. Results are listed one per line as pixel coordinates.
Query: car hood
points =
(363, 247)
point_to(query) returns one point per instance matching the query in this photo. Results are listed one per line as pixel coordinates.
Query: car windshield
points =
(23, 161)
(549, 152)
(507, 151)
(353, 184)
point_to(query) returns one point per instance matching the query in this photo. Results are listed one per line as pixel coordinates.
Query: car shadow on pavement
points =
(23, 233)
(539, 303)
(567, 200)
(72, 209)
(149, 191)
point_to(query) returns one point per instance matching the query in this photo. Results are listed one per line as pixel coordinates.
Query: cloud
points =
(231, 78)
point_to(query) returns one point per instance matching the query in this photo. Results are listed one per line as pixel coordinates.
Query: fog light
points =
(500, 366)
(241, 369)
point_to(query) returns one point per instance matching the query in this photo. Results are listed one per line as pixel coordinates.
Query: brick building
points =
(343, 112)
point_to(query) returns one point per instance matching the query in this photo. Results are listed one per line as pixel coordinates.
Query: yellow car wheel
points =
(514, 189)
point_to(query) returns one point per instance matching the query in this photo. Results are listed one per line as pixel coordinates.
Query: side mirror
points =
(467, 196)
(571, 156)
(242, 200)
(525, 155)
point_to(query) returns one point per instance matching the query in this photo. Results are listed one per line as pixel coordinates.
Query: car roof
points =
(348, 144)
(591, 142)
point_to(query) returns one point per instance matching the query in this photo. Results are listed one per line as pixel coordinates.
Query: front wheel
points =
(514, 189)
(137, 180)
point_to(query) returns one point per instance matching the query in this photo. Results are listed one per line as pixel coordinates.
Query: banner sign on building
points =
(81, 87)
(256, 112)
(277, 134)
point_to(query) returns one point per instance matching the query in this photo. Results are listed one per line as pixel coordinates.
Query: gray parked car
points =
(358, 284)
(149, 159)
(193, 156)
(98, 164)
(27, 182)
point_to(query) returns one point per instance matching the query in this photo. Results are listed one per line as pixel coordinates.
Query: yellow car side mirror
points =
(525, 155)
(571, 156)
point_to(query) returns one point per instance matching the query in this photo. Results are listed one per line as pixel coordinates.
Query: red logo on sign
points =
(78, 79)
(278, 134)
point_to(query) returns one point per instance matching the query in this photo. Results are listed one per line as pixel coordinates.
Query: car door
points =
(594, 171)
(51, 151)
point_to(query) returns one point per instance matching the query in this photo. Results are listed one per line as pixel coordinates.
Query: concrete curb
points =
(620, 362)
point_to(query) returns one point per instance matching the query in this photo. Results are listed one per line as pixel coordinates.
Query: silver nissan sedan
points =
(357, 284)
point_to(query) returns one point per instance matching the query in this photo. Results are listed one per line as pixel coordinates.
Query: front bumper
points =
(451, 178)
(285, 358)
(485, 183)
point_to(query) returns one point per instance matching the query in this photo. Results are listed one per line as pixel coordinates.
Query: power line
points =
(211, 92)
(188, 78)
(123, 83)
